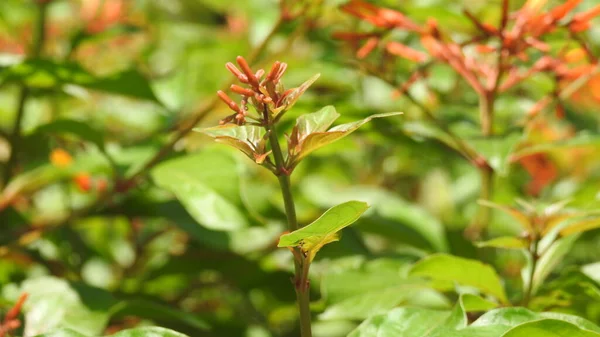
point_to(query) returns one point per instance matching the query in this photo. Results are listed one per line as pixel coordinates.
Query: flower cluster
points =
(264, 91)
(519, 36)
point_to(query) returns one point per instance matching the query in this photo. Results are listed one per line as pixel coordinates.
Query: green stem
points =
(482, 218)
(301, 262)
(533, 254)
(15, 135)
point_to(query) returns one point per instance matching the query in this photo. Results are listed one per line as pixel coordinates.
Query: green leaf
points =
(77, 128)
(248, 138)
(379, 301)
(473, 303)
(497, 150)
(467, 272)
(401, 322)
(53, 303)
(549, 328)
(551, 258)
(316, 140)
(325, 229)
(506, 242)
(383, 285)
(207, 184)
(47, 74)
(318, 121)
(417, 322)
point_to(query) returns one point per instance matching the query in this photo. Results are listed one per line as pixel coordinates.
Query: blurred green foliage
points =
(143, 223)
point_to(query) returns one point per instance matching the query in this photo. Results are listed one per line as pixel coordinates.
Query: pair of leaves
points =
(311, 238)
(308, 135)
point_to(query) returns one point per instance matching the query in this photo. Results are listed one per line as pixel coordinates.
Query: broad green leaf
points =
(404, 322)
(497, 150)
(137, 332)
(53, 303)
(409, 322)
(248, 138)
(316, 140)
(507, 242)
(380, 301)
(384, 285)
(549, 328)
(46, 74)
(77, 128)
(325, 229)
(467, 272)
(207, 184)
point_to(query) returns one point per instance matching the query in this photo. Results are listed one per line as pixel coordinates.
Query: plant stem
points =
(533, 254)
(301, 262)
(486, 172)
(15, 135)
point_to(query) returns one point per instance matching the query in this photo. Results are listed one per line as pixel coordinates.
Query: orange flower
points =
(83, 181)
(60, 158)
(402, 50)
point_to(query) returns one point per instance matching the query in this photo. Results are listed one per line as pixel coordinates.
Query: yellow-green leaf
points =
(325, 229)
(507, 242)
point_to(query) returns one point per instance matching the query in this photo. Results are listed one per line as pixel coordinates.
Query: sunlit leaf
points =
(53, 303)
(581, 226)
(325, 229)
(247, 138)
(507, 242)
(549, 328)
(207, 185)
(316, 140)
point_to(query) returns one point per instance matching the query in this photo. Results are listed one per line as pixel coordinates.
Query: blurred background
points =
(100, 244)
